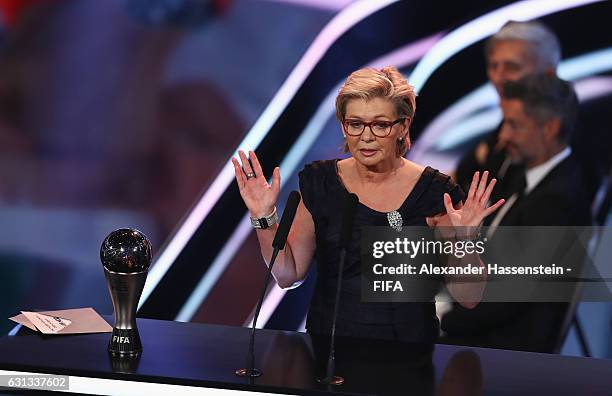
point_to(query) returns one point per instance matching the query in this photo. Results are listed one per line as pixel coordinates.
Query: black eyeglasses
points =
(354, 127)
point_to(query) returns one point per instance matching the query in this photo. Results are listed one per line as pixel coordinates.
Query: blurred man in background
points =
(518, 49)
(539, 118)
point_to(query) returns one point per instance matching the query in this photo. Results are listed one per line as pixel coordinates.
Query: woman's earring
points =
(344, 135)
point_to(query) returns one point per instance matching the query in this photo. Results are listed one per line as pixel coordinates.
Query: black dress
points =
(323, 195)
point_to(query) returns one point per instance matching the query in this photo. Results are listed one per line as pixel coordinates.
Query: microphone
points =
(346, 233)
(280, 239)
(286, 220)
(126, 257)
(348, 218)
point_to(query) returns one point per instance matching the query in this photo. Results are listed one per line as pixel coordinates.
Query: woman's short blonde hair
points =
(387, 83)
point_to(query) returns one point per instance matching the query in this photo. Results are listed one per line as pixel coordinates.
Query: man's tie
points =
(516, 185)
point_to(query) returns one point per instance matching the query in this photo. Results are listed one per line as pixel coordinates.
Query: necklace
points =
(395, 220)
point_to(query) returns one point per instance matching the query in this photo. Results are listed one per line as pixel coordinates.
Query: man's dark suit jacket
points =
(558, 200)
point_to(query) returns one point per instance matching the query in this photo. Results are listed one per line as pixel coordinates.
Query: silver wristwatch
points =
(266, 221)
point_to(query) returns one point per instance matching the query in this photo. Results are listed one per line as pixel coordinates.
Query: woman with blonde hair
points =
(375, 109)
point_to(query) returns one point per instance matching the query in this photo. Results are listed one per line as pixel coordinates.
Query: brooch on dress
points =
(395, 220)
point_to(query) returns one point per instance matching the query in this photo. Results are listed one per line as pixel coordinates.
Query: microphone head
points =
(348, 215)
(126, 250)
(285, 223)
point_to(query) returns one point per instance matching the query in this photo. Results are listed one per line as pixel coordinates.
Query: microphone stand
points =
(348, 213)
(250, 370)
(330, 378)
(278, 244)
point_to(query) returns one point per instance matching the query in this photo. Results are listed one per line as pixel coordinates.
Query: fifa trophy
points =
(126, 256)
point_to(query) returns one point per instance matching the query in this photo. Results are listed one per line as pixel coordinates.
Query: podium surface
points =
(188, 358)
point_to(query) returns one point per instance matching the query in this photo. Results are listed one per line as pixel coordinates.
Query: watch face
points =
(263, 222)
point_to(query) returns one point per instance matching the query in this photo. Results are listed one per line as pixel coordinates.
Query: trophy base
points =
(125, 342)
(125, 364)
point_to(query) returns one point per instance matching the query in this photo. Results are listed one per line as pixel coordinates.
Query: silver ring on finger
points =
(250, 175)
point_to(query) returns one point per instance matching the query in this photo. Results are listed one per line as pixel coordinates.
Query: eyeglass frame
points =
(369, 125)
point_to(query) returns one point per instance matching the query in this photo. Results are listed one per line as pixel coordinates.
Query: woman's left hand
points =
(467, 218)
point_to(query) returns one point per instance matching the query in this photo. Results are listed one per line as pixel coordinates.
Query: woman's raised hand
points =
(468, 218)
(259, 196)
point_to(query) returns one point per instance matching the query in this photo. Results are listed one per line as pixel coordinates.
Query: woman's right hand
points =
(259, 196)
